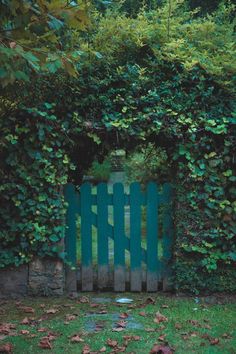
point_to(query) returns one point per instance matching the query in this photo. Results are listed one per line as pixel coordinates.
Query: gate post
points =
(71, 238)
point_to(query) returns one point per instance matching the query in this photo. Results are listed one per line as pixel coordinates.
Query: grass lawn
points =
(96, 321)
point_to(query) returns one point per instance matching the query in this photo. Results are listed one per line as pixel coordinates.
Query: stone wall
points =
(46, 277)
(14, 281)
(42, 277)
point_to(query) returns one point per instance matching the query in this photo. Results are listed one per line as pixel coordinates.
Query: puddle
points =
(94, 323)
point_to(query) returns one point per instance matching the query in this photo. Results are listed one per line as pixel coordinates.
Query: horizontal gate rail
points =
(81, 203)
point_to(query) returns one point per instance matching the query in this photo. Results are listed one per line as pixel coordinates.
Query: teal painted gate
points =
(127, 258)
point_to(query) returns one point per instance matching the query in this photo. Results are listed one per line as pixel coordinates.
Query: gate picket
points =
(86, 237)
(167, 236)
(119, 237)
(135, 237)
(152, 237)
(103, 232)
(82, 203)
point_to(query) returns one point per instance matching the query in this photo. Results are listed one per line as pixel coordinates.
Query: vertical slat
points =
(167, 236)
(86, 237)
(71, 238)
(152, 237)
(102, 224)
(135, 237)
(119, 237)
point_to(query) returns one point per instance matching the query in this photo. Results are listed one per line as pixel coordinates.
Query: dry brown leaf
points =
(76, 339)
(150, 300)
(214, 341)
(131, 337)
(24, 331)
(70, 317)
(194, 323)
(162, 337)
(142, 313)
(83, 300)
(103, 350)
(42, 329)
(25, 321)
(45, 343)
(94, 305)
(118, 329)
(86, 350)
(124, 315)
(51, 311)
(27, 309)
(6, 328)
(161, 349)
(178, 326)
(121, 323)
(226, 336)
(6, 348)
(160, 318)
(112, 343)
(164, 306)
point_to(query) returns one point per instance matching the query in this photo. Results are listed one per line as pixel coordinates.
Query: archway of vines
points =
(131, 100)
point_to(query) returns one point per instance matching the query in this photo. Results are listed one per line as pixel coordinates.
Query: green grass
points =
(196, 324)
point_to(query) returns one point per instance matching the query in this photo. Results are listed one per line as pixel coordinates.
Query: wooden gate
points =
(147, 267)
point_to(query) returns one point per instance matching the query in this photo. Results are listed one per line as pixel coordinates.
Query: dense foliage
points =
(35, 36)
(160, 79)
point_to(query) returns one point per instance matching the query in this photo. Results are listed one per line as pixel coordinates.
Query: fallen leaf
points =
(6, 328)
(94, 305)
(70, 317)
(45, 343)
(207, 326)
(112, 343)
(6, 348)
(76, 339)
(51, 311)
(42, 306)
(150, 300)
(83, 299)
(99, 326)
(25, 321)
(51, 336)
(3, 336)
(124, 315)
(178, 326)
(24, 331)
(118, 329)
(42, 329)
(161, 349)
(12, 45)
(27, 309)
(214, 341)
(226, 336)
(121, 323)
(164, 306)
(131, 337)
(103, 350)
(142, 313)
(194, 323)
(162, 337)
(86, 349)
(160, 318)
